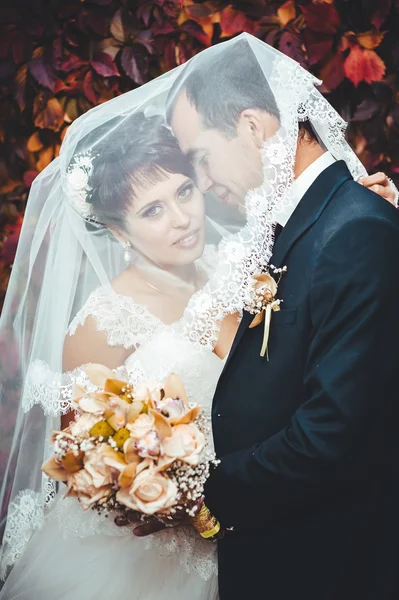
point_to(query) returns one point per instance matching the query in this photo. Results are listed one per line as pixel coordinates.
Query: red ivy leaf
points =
(333, 72)
(144, 13)
(322, 18)
(29, 177)
(366, 110)
(6, 43)
(164, 28)
(20, 85)
(291, 45)
(196, 30)
(233, 21)
(67, 62)
(9, 249)
(98, 23)
(22, 47)
(51, 117)
(145, 38)
(43, 73)
(363, 65)
(381, 14)
(130, 65)
(318, 45)
(103, 64)
(88, 89)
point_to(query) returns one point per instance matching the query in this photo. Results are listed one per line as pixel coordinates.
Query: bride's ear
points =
(122, 239)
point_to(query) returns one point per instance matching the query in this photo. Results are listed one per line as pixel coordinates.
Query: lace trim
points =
(194, 554)
(51, 390)
(125, 322)
(25, 516)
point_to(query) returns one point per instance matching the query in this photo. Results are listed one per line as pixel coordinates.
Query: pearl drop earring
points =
(127, 246)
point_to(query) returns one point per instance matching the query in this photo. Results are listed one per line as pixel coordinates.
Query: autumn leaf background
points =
(59, 58)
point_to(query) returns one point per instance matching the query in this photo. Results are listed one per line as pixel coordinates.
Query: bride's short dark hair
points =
(135, 152)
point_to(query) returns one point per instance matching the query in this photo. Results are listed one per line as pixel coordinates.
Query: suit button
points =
(218, 415)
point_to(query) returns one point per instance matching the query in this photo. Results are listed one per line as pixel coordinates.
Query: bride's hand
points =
(380, 184)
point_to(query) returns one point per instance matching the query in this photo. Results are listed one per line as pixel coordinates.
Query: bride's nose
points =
(179, 218)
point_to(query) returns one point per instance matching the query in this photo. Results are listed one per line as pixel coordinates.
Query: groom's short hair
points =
(222, 88)
(235, 77)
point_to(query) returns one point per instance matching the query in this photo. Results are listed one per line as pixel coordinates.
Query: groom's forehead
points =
(186, 124)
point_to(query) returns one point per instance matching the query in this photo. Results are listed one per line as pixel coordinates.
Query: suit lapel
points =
(310, 208)
(305, 215)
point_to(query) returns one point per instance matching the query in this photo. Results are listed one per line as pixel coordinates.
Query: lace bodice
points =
(159, 350)
(125, 322)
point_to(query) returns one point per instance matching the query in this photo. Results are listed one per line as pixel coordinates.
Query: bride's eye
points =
(153, 211)
(185, 193)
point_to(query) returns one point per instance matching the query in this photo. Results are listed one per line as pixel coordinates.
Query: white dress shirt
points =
(301, 186)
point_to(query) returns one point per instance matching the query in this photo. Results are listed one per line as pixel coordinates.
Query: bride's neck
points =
(186, 273)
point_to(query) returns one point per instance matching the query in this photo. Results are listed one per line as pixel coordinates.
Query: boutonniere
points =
(264, 302)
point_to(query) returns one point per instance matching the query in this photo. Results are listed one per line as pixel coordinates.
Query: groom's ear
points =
(257, 125)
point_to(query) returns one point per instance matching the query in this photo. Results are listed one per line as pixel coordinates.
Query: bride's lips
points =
(188, 241)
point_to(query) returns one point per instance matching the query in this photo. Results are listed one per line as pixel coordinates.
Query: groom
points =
(308, 484)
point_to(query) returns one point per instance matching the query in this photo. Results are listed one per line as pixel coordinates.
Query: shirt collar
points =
(301, 186)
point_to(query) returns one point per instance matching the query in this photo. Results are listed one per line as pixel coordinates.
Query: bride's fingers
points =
(376, 179)
(148, 528)
(379, 183)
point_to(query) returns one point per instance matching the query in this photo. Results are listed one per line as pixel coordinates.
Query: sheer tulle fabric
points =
(66, 264)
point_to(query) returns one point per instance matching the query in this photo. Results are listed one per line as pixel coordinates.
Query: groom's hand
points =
(154, 524)
(149, 527)
(380, 184)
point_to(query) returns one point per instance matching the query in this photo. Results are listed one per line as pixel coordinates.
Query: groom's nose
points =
(204, 182)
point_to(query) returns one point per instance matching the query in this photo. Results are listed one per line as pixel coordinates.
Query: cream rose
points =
(186, 443)
(150, 493)
(80, 484)
(103, 465)
(141, 426)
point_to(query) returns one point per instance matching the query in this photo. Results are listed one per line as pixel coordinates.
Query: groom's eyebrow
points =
(192, 154)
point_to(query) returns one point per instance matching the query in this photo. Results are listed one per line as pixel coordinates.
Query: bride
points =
(122, 261)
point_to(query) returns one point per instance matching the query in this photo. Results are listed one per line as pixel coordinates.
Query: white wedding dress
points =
(78, 555)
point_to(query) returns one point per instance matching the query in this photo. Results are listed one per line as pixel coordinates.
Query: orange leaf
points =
(363, 65)
(257, 320)
(51, 117)
(45, 158)
(371, 39)
(233, 21)
(287, 12)
(34, 143)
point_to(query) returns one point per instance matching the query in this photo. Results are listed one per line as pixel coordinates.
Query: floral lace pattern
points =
(25, 516)
(52, 391)
(126, 323)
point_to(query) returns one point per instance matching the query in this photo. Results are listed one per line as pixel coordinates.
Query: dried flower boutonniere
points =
(265, 302)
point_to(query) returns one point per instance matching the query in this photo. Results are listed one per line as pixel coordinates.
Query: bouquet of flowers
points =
(132, 450)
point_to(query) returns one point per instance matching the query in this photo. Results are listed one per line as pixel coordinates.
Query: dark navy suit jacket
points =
(309, 440)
